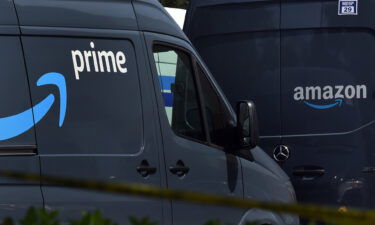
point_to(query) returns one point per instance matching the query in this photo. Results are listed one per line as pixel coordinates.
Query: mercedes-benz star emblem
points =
(281, 153)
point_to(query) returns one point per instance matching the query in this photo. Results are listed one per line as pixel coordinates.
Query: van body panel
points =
(80, 90)
(328, 134)
(18, 198)
(12, 30)
(17, 195)
(110, 14)
(103, 136)
(16, 132)
(301, 14)
(152, 16)
(7, 13)
(14, 83)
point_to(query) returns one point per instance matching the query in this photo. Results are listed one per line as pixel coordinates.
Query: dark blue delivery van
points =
(309, 68)
(113, 91)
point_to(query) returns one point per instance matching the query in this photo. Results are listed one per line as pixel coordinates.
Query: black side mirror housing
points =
(247, 124)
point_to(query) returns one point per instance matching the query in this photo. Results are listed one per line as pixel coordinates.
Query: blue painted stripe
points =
(168, 99)
(166, 81)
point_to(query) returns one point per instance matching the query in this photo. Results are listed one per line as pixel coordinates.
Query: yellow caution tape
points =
(311, 212)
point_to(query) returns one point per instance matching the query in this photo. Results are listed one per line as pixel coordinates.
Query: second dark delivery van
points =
(309, 67)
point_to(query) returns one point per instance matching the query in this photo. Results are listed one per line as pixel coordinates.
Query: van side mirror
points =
(247, 124)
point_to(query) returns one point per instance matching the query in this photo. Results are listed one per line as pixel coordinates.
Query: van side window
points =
(175, 73)
(218, 116)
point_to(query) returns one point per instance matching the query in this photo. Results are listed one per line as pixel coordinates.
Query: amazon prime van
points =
(113, 91)
(309, 67)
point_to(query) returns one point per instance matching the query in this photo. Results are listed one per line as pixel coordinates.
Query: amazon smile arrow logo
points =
(16, 125)
(338, 102)
(335, 94)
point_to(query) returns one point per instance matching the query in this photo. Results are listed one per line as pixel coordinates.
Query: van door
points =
(328, 101)
(95, 125)
(194, 156)
(18, 150)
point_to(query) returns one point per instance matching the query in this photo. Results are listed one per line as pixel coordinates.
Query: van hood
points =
(265, 160)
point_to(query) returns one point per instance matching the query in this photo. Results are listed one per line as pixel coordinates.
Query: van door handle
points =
(368, 170)
(317, 172)
(145, 170)
(312, 171)
(180, 169)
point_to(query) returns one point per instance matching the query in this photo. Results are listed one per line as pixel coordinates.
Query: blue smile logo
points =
(16, 125)
(338, 102)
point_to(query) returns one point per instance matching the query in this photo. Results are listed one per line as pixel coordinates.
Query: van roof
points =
(144, 15)
(210, 17)
(153, 17)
